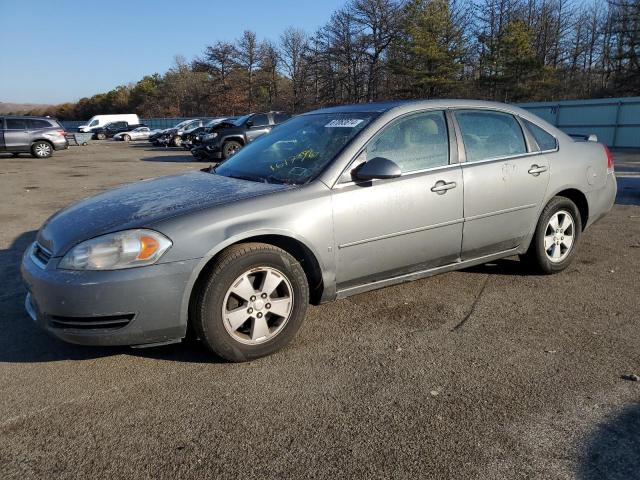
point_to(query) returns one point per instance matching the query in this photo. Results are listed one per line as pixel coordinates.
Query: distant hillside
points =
(21, 107)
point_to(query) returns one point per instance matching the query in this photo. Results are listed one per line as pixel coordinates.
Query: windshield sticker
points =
(344, 123)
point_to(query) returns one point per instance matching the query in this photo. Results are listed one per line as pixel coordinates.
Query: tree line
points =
(504, 50)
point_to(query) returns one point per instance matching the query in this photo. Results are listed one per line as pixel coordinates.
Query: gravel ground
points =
(487, 373)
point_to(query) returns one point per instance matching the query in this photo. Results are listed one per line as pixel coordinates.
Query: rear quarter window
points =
(544, 139)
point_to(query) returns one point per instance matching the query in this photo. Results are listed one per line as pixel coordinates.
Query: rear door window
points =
(545, 140)
(260, 120)
(16, 124)
(488, 134)
(281, 117)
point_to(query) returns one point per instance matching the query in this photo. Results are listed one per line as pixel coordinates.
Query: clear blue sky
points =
(55, 51)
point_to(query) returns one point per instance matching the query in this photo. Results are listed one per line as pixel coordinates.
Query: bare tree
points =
(293, 49)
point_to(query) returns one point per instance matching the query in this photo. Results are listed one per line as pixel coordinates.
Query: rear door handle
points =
(441, 187)
(536, 170)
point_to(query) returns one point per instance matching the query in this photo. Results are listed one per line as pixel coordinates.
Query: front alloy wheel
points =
(258, 305)
(251, 303)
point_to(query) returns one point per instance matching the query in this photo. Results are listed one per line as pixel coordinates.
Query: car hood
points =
(140, 204)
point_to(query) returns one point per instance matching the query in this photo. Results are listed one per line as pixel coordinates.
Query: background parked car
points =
(98, 121)
(193, 137)
(228, 137)
(39, 136)
(173, 136)
(140, 133)
(113, 128)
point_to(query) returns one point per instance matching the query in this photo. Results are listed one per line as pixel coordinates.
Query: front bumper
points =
(201, 152)
(133, 306)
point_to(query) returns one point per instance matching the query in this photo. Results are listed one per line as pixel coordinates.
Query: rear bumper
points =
(60, 144)
(135, 306)
(601, 201)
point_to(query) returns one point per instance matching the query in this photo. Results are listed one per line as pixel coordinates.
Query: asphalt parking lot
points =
(488, 373)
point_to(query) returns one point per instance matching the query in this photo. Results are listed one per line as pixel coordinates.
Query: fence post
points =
(615, 126)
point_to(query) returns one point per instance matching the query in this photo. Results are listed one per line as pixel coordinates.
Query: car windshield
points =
(182, 124)
(296, 151)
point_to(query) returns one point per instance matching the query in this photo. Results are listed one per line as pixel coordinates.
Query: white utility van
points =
(101, 120)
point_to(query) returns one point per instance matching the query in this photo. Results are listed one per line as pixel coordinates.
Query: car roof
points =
(381, 107)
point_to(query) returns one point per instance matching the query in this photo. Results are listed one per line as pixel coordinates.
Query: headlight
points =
(114, 251)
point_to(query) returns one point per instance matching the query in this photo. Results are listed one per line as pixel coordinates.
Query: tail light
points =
(61, 132)
(609, 158)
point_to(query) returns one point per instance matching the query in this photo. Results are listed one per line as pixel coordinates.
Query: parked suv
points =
(228, 137)
(39, 136)
(113, 128)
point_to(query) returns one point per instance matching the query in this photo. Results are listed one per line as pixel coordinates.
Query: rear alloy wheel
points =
(176, 141)
(41, 149)
(230, 148)
(253, 302)
(126, 138)
(556, 236)
(101, 136)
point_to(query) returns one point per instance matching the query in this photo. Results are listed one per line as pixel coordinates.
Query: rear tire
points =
(253, 302)
(176, 141)
(41, 149)
(101, 136)
(230, 148)
(556, 237)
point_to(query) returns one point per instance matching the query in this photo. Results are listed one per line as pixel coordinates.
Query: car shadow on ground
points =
(23, 341)
(184, 158)
(612, 449)
(504, 266)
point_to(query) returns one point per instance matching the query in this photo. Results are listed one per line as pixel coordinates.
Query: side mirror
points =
(592, 138)
(249, 123)
(377, 168)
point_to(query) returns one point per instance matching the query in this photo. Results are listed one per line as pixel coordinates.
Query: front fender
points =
(237, 235)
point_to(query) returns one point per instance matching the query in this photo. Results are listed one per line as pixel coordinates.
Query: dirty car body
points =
(453, 184)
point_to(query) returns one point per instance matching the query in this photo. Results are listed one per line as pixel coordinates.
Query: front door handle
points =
(441, 187)
(536, 170)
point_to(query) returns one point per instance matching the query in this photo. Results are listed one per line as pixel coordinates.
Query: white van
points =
(101, 120)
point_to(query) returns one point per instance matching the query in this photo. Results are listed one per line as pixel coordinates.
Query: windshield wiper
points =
(250, 178)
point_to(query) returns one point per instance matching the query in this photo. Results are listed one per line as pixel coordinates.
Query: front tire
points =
(176, 141)
(126, 138)
(101, 136)
(253, 302)
(556, 237)
(41, 149)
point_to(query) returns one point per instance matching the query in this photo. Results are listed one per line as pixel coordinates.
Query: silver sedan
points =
(140, 133)
(329, 204)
